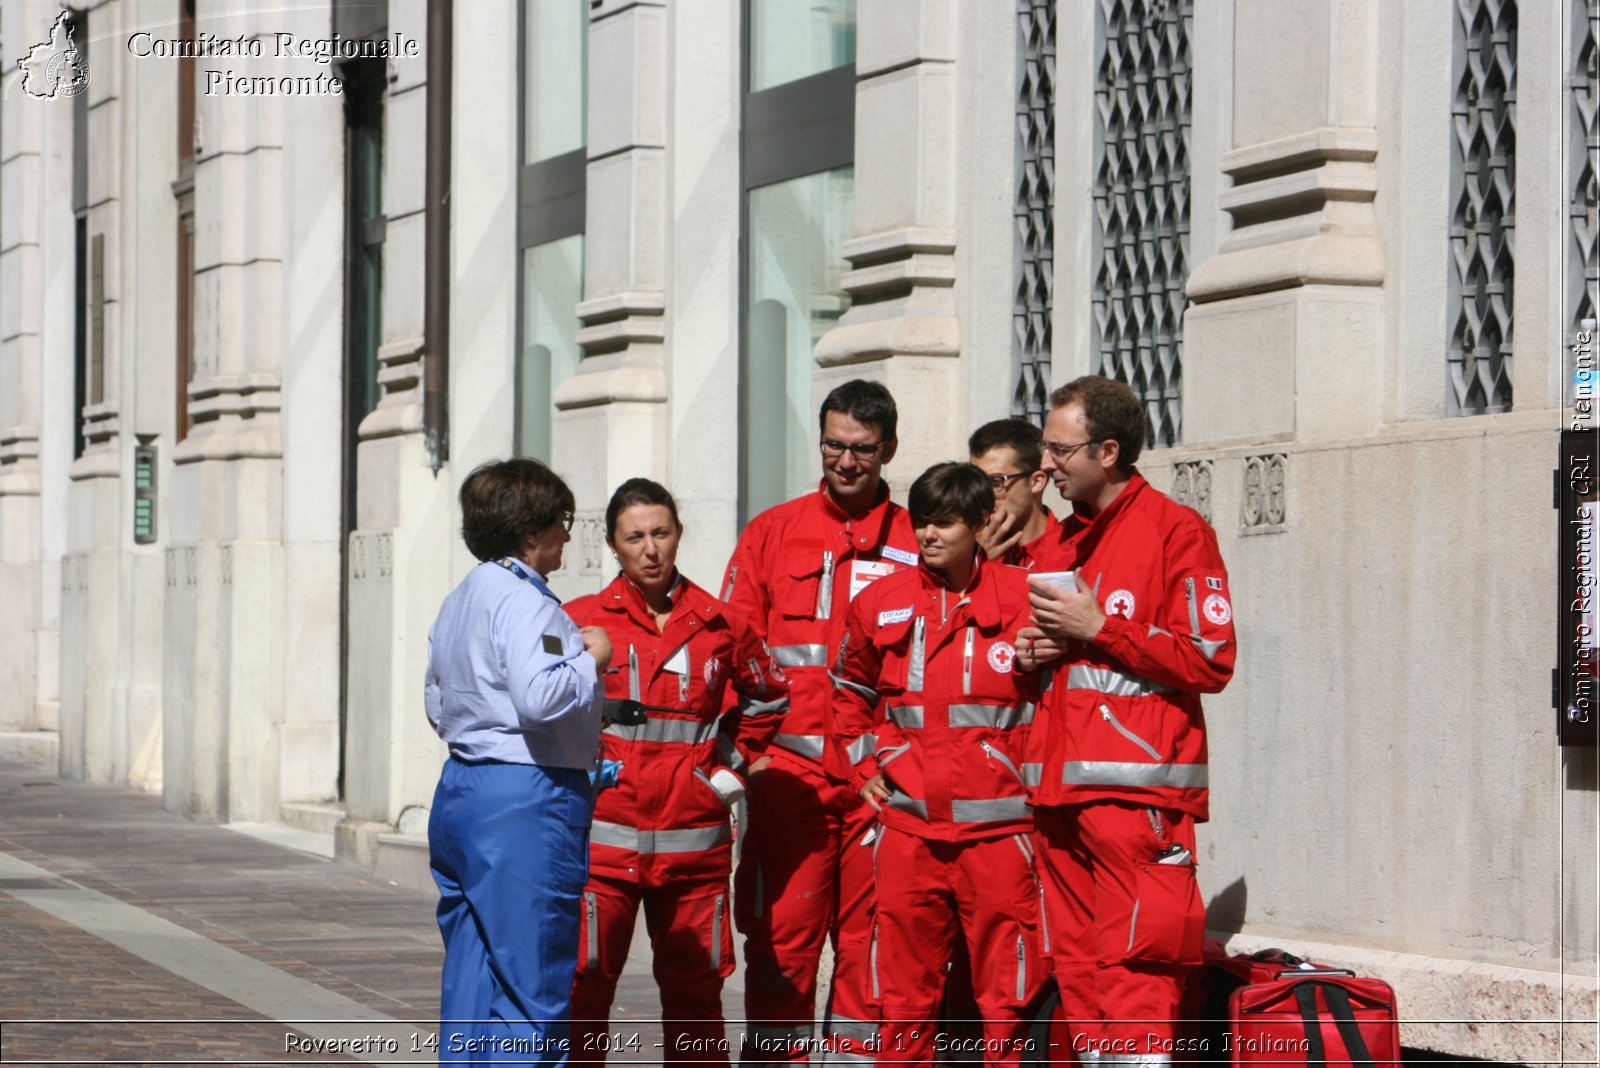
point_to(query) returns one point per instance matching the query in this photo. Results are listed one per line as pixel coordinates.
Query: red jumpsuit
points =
(1117, 762)
(954, 858)
(805, 874)
(661, 836)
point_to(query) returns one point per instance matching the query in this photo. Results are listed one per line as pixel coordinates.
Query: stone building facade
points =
(254, 333)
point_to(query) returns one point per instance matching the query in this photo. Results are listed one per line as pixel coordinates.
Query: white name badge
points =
(678, 662)
(864, 573)
(899, 555)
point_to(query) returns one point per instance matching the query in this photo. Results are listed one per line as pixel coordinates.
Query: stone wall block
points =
(627, 75)
(900, 34)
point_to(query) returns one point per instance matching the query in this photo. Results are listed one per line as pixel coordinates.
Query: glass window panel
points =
(552, 286)
(555, 78)
(793, 39)
(795, 296)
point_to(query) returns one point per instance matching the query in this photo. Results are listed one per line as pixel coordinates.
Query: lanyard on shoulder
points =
(527, 576)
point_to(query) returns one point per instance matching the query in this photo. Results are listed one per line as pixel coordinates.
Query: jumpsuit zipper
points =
(633, 673)
(1105, 714)
(592, 911)
(966, 664)
(716, 934)
(825, 587)
(919, 637)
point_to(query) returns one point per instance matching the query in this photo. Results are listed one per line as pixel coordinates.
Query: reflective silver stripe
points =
(865, 691)
(1133, 925)
(1111, 681)
(730, 753)
(807, 745)
(800, 655)
(591, 911)
(727, 590)
(862, 747)
(1032, 774)
(1025, 846)
(855, 1030)
(681, 840)
(919, 639)
(1208, 649)
(1022, 969)
(990, 810)
(906, 716)
(873, 959)
(633, 673)
(750, 708)
(907, 803)
(1154, 630)
(716, 934)
(1106, 714)
(998, 717)
(1130, 773)
(825, 587)
(682, 731)
(1194, 606)
(966, 662)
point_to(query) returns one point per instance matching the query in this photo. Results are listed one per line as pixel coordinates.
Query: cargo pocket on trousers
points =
(1168, 923)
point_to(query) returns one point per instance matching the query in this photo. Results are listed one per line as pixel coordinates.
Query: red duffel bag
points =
(1315, 1018)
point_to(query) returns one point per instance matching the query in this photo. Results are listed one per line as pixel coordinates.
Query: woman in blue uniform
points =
(512, 689)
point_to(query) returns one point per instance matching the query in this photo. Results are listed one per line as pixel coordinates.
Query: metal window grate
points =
(1584, 261)
(1141, 194)
(1483, 179)
(1034, 208)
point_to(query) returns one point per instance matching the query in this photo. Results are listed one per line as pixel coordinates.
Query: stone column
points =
(901, 327)
(404, 511)
(1292, 301)
(36, 358)
(223, 662)
(611, 416)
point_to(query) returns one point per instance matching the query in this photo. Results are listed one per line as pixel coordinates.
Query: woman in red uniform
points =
(661, 836)
(942, 764)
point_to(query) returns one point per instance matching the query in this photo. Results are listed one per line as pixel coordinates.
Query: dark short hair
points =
(504, 499)
(639, 491)
(1018, 435)
(868, 403)
(1113, 411)
(950, 490)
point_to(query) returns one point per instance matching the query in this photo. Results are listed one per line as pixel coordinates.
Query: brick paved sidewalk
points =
(132, 935)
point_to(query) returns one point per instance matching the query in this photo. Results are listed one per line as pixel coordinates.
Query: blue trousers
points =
(509, 848)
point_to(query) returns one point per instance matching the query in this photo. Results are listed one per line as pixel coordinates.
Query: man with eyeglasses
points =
(1008, 451)
(805, 873)
(1117, 755)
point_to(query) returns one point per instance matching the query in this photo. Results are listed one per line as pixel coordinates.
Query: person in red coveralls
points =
(1118, 754)
(954, 859)
(661, 836)
(1008, 451)
(806, 870)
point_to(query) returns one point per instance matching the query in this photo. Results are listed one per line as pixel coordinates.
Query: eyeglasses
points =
(1062, 451)
(567, 520)
(861, 450)
(1002, 483)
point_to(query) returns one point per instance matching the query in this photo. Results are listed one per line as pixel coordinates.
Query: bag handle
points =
(1355, 1047)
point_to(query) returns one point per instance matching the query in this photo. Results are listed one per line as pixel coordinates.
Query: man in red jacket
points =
(1117, 757)
(806, 869)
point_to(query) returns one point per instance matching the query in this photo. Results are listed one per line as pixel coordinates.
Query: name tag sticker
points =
(895, 615)
(900, 555)
(865, 572)
(678, 662)
(552, 645)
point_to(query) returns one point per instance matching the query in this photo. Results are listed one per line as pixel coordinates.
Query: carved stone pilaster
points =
(235, 417)
(901, 302)
(400, 374)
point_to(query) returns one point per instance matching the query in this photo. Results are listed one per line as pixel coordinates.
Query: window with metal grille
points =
(1034, 209)
(1141, 197)
(1583, 264)
(1483, 170)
